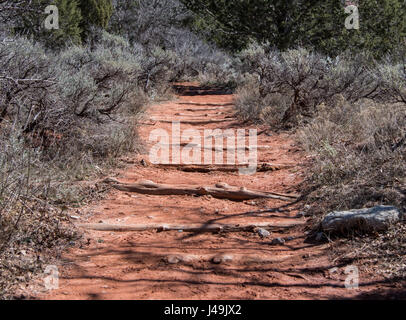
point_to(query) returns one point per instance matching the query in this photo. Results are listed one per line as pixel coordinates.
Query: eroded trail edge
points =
(201, 232)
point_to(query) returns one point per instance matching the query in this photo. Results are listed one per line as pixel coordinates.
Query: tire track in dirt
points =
(180, 265)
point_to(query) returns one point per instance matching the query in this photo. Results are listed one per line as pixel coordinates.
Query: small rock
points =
(263, 233)
(290, 238)
(216, 260)
(151, 217)
(221, 259)
(367, 220)
(217, 211)
(319, 236)
(143, 163)
(222, 185)
(278, 241)
(300, 215)
(75, 217)
(173, 259)
(180, 231)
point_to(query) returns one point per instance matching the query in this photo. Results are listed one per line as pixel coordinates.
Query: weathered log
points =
(199, 228)
(220, 191)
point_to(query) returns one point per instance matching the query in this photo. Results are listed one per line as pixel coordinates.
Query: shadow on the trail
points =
(206, 104)
(246, 214)
(188, 90)
(257, 276)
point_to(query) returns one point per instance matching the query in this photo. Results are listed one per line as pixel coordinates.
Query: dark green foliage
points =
(315, 24)
(31, 17)
(382, 26)
(69, 21)
(95, 13)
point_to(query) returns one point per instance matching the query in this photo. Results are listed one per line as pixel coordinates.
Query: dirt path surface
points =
(184, 265)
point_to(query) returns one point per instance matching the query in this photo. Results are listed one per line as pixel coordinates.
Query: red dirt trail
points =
(134, 265)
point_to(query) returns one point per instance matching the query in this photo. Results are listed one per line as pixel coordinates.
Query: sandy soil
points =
(137, 265)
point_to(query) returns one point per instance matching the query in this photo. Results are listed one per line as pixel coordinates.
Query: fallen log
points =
(220, 190)
(210, 228)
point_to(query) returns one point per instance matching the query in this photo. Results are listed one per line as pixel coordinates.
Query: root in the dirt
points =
(203, 109)
(265, 167)
(198, 228)
(194, 122)
(218, 149)
(215, 105)
(224, 258)
(220, 191)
